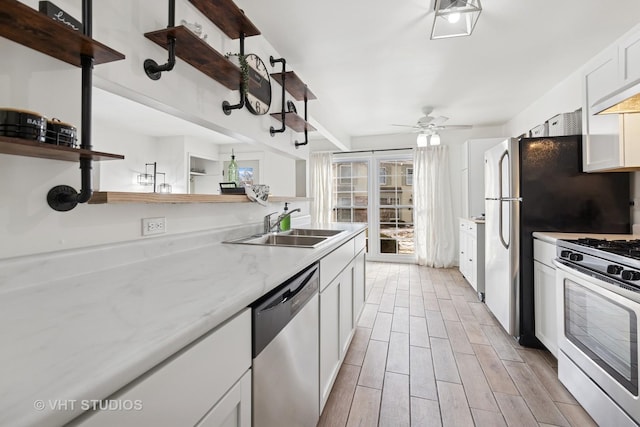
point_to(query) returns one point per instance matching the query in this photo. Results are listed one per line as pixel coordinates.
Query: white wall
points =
(33, 81)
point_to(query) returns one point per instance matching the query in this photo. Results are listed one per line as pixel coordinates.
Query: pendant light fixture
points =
(455, 18)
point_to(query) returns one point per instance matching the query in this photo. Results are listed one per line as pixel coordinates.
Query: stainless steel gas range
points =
(598, 291)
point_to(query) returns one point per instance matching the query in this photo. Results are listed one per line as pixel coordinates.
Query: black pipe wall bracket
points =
(227, 108)
(151, 67)
(283, 61)
(63, 198)
(306, 134)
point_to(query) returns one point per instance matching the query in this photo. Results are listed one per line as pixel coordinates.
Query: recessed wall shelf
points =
(294, 121)
(102, 197)
(199, 54)
(28, 27)
(294, 85)
(227, 16)
(24, 147)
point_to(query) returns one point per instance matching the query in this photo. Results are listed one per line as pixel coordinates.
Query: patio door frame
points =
(373, 159)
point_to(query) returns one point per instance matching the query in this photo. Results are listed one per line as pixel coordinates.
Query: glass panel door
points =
(351, 191)
(394, 208)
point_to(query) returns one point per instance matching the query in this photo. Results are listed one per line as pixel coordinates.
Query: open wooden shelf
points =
(27, 26)
(294, 85)
(199, 54)
(227, 16)
(294, 121)
(102, 197)
(25, 147)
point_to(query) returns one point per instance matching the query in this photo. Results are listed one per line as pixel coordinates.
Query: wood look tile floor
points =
(426, 352)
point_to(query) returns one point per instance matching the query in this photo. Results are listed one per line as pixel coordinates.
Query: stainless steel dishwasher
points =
(286, 353)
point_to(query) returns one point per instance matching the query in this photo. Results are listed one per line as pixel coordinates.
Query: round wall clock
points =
(258, 96)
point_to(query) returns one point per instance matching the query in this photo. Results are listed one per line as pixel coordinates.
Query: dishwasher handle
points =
(289, 294)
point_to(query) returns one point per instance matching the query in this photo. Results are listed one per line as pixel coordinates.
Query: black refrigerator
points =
(537, 184)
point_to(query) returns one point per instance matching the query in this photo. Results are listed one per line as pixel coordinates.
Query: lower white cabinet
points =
(234, 409)
(206, 384)
(342, 289)
(471, 258)
(544, 288)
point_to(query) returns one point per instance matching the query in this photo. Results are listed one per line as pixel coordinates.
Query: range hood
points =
(624, 100)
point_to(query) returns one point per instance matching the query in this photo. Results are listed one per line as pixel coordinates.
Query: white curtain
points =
(433, 214)
(320, 187)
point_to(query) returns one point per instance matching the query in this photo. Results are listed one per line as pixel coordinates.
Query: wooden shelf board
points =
(294, 121)
(102, 197)
(227, 16)
(294, 85)
(27, 26)
(199, 54)
(29, 148)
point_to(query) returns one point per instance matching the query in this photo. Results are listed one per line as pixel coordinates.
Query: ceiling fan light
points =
(422, 139)
(435, 139)
(455, 18)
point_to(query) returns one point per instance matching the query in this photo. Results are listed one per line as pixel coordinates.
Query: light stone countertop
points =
(81, 324)
(551, 237)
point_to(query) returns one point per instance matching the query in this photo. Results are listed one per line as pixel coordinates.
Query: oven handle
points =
(588, 279)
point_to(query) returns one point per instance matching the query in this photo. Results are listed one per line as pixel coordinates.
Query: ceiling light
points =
(455, 18)
(422, 139)
(435, 139)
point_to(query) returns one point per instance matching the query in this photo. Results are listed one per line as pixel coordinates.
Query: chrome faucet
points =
(267, 220)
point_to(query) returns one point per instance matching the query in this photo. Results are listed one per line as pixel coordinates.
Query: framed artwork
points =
(408, 176)
(246, 176)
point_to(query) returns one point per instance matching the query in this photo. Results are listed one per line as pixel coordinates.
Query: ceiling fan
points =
(429, 126)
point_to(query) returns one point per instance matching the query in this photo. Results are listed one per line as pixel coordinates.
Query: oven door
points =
(598, 332)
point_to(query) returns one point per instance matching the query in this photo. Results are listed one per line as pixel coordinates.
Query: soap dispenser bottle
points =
(285, 223)
(232, 172)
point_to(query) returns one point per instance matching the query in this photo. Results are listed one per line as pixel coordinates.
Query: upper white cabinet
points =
(472, 175)
(611, 141)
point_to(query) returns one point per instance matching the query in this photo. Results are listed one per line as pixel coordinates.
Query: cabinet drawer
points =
(544, 252)
(180, 391)
(332, 264)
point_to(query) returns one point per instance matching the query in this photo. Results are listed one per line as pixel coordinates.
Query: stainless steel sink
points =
(313, 232)
(282, 240)
(296, 237)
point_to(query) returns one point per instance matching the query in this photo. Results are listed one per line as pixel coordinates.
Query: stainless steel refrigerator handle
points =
(502, 199)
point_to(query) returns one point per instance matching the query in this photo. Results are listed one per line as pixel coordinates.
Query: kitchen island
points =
(81, 324)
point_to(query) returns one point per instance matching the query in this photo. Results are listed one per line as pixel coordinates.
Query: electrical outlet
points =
(154, 225)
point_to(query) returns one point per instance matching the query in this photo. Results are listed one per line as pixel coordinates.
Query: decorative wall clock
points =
(258, 96)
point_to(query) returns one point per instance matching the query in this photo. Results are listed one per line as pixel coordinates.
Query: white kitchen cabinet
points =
(329, 338)
(201, 382)
(342, 283)
(472, 175)
(359, 283)
(234, 409)
(544, 288)
(471, 260)
(203, 174)
(611, 141)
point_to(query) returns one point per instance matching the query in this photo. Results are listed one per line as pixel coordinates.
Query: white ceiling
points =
(371, 63)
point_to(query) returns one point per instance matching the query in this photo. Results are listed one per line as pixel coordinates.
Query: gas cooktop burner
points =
(626, 248)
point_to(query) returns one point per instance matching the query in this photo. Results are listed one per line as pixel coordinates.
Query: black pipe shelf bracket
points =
(152, 68)
(227, 108)
(273, 62)
(306, 134)
(63, 198)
